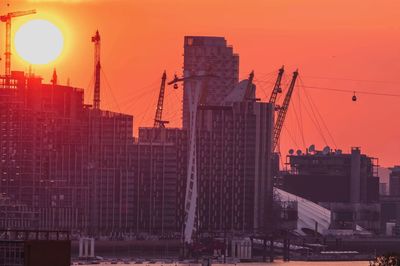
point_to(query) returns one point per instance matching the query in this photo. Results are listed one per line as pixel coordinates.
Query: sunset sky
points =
(338, 44)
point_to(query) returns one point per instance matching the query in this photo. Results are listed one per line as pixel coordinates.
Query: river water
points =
(278, 263)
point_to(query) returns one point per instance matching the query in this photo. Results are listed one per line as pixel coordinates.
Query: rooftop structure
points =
(333, 176)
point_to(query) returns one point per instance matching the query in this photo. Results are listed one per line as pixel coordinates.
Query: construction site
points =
(217, 186)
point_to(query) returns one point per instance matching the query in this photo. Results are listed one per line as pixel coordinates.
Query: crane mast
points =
(248, 95)
(282, 111)
(7, 19)
(158, 122)
(277, 87)
(97, 69)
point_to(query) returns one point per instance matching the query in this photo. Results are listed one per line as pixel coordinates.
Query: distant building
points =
(339, 177)
(210, 55)
(347, 184)
(394, 181)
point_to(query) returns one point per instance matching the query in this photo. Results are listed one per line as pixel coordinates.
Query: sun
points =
(39, 42)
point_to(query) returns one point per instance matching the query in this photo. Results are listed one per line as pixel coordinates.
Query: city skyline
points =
(157, 131)
(339, 49)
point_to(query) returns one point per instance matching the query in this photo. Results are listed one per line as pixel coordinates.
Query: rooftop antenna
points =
(326, 150)
(311, 149)
(54, 79)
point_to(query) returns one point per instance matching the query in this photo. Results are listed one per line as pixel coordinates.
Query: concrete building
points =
(234, 180)
(346, 184)
(160, 163)
(234, 172)
(390, 213)
(43, 149)
(62, 159)
(339, 177)
(394, 181)
(109, 137)
(210, 55)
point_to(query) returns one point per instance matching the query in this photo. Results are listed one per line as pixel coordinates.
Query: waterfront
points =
(278, 262)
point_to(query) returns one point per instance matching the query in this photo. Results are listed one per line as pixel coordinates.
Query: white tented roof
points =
(309, 213)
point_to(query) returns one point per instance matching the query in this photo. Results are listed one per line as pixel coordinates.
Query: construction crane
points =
(54, 78)
(248, 94)
(7, 19)
(277, 87)
(158, 122)
(97, 69)
(282, 111)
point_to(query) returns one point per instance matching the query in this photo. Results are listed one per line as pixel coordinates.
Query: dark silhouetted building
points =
(234, 167)
(347, 184)
(62, 159)
(394, 181)
(339, 177)
(210, 55)
(160, 162)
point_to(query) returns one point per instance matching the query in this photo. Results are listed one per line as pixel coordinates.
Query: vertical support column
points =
(355, 179)
(92, 247)
(271, 250)
(80, 247)
(86, 248)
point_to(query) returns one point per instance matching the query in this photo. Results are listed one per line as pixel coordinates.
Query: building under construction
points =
(56, 152)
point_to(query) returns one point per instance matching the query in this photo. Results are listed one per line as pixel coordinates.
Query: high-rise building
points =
(394, 181)
(109, 137)
(43, 150)
(234, 167)
(211, 56)
(160, 163)
(62, 159)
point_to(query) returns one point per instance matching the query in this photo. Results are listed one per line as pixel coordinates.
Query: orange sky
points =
(348, 39)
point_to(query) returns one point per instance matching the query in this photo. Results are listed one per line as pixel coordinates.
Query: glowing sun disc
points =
(39, 42)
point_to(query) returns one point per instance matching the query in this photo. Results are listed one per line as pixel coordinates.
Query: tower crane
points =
(248, 95)
(97, 68)
(158, 122)
(277, 87)
(283, 110)
(7, 19)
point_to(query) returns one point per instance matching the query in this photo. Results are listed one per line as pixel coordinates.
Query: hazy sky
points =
(349, 45)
